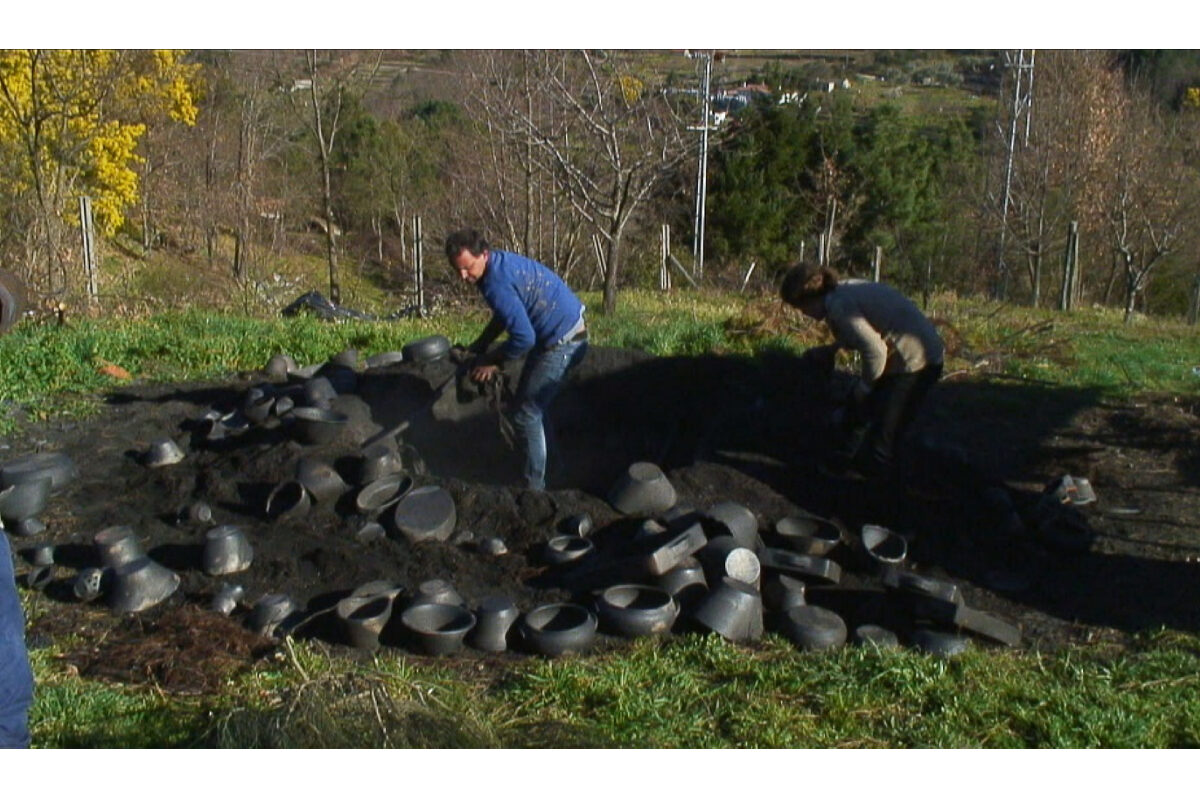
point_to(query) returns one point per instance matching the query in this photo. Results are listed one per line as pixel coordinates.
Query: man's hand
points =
(822, 358)
(484, 373)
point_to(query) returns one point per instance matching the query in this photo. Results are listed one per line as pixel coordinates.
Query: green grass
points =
(692, 692)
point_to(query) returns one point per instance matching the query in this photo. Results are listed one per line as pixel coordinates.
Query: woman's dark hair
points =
(804, 280)
(468, 239)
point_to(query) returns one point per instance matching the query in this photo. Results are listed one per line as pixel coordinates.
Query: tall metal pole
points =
(1022, 101)
(702, 168)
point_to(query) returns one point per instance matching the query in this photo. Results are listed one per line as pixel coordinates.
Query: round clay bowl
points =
(575, 525)
(437, 629)
(375, 588)
(312, 425)
(642, 489)
(883, 548)
(428, 349)
(567, 549)
(58, 466)
(426, 513)
(723, 557)
(288, 500)
(634, 610)
(226, 550)
(813, 628)
(382, 493)
(808, 535)
(558, 628)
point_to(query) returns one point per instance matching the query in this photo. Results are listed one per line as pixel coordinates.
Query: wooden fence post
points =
(664, 272)
(418, 265)
(877, 264)
(1194, 306)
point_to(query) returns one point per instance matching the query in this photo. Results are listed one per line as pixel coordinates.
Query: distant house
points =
(735, 99)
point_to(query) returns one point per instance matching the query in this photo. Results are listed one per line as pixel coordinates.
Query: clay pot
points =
(437, 629)
(812, 569)
(883, 549)
(735, 520)
(226, 550)
(377, 461)
(734, 610)
(723, 556)
(25, 500)
(575, 525)
(347, 358)
(320, 479)
(558, 628)
(875, 636)
(312, 425)
(686, 582)
(141, 584)
(382, 493)
(642, 489)
(634, 610)
(683, 545)
(226, 600)
(429, 348)
(196, 513)
(58, 466)
(939, 642)
(562, 550)
(426, 513)
(438, 591)
(813, 628)
(278, 366)
(257, 405)
(317, 392)
(809, 535)
(271, 613)
(363, 618)
(493, 619)
(782, 592)
(163, 453)
(288, 500)
(387, 359)
(89, 584)
(117, 545)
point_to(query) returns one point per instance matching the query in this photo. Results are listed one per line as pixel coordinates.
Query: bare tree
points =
(606, 134)
(330, 77)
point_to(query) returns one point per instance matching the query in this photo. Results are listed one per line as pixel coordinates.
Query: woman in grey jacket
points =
(901, 354)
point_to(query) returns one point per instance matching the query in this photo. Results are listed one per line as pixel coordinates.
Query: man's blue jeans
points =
(16, 679)
(542, 378)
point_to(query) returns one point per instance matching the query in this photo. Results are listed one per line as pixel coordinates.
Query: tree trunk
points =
(612, 262)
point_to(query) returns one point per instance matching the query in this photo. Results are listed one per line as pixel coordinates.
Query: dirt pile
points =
(725, 430)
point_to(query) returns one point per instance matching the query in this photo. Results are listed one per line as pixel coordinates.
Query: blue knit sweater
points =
(533, 304)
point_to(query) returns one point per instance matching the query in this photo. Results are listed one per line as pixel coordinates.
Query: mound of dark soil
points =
(970, 500)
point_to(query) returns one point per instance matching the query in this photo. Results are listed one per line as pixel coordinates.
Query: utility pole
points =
(1022, 106)
(706, 58)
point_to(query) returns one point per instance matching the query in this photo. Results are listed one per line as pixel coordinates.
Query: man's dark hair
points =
(806, 279)
(468, 239)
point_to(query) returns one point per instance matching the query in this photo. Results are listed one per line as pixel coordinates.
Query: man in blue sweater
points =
(544, 321)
